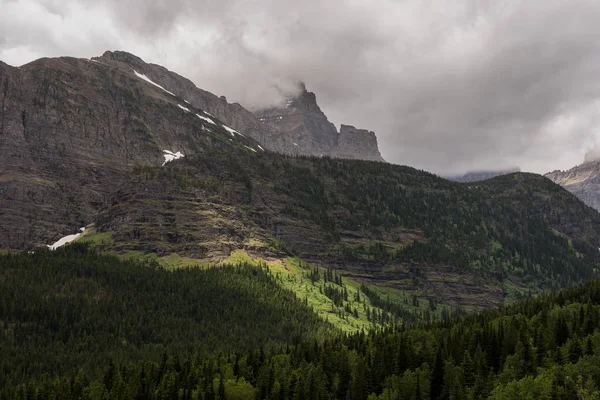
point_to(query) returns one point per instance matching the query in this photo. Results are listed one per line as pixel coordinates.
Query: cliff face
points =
(357, 143)
(303, 129)
(71, 131)
(583, 181)
(232, 114)
(298, 128)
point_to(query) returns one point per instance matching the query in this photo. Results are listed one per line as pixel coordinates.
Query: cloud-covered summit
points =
(447, 86)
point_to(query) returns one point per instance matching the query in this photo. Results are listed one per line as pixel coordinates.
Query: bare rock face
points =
(298, 128)
(72, 130)
(357, 143)
(583, 181)
(232, 114)
(303, 129)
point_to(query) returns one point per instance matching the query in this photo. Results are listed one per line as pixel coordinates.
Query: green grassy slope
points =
(341, 300)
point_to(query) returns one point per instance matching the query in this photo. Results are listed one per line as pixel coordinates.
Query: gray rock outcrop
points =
(357, 143)
(72, 130)
(583, 181)
(303, 129)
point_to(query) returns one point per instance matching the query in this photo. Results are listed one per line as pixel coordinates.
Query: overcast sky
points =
(448, 86)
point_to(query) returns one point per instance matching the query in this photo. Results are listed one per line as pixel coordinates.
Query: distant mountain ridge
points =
(582, 180)
(476, 176)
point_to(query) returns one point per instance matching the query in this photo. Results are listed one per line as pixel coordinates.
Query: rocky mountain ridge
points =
(72, 129)
(303, 129)
(69, 127)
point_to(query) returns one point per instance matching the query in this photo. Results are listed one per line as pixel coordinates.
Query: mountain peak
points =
(305, 129)
(123, 57)
(357, 143)
(305, 101)
(302, 86)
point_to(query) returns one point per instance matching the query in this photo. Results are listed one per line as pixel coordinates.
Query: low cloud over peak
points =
(447, 86)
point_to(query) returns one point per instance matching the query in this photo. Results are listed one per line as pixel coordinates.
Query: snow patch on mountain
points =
(65, 240)
(170, 156)
(183, 108)
(144, 77)
(206, 119)
(232, 131)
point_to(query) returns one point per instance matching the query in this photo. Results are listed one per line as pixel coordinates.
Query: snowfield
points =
(232, 131)
(170, 156)
(206, 119)
(144, 77)
(65, 240)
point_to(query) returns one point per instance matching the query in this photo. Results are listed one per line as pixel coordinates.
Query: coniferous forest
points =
(76, 324)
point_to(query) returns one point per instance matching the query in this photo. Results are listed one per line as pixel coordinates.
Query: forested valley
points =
(105, 328)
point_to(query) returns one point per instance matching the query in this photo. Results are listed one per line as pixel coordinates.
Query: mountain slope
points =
(583, 181)
(386, 225)
(84, 142)
(72, 129)
(299, 128)
(234, 115)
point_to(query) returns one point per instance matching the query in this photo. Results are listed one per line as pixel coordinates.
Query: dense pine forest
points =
(73, 308)
(240, 336)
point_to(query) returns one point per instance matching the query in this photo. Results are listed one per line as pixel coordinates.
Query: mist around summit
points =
(447, 87)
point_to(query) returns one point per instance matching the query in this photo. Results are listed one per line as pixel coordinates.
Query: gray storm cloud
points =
(447, 86)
